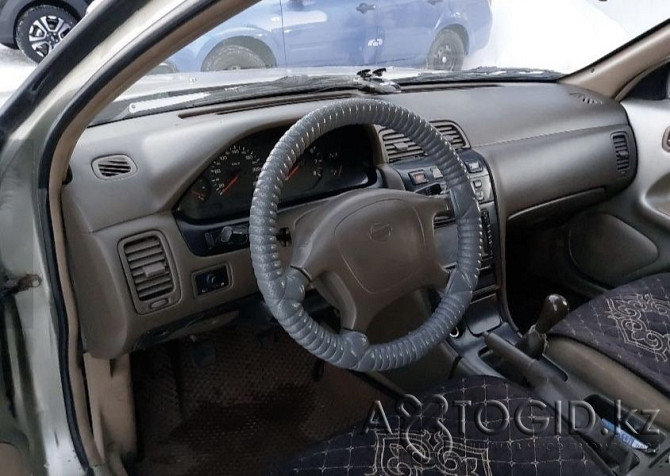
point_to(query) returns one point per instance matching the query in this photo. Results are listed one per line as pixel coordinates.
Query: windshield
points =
(293, 45)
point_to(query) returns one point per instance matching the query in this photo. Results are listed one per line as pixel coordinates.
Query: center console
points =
(484, 314)
(420, 175)
(486, 343)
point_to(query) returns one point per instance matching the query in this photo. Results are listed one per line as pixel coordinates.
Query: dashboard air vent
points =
(622, 151)
(116, 166)
(398, 146)
(452, 133)
(586, 99)
(149, 270)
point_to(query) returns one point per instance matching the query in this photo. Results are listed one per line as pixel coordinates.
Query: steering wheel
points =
(365, 248)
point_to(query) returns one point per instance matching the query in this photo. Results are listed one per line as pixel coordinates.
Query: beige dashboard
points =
(541, 144)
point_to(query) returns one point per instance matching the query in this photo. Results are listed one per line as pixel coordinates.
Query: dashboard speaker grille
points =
(116, 166)
(586, 99)
(398, 146)
(622, 151)
(149, 270)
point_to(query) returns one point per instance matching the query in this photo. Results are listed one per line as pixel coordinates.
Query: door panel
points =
(329, 32)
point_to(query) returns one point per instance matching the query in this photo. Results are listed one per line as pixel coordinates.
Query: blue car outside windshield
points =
(434, 34)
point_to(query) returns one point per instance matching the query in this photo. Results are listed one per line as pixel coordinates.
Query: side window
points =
(656, 86)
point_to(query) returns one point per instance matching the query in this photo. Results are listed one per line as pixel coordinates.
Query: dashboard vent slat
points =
(398, 146)
(149, 270)
(113, 167)
(137, 262)
(622, 152)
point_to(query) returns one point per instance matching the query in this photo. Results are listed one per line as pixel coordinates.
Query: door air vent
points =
(113, 167)
(397, 146)
(586, 99)
(149, 270)
(622, 152)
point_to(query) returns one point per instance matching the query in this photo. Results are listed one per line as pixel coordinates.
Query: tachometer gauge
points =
(235, 171)
(306, 173)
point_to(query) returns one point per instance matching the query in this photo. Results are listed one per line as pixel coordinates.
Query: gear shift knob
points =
(534, 341)
(554, 310)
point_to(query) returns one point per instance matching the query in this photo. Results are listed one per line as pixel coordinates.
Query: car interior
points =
(251, 278)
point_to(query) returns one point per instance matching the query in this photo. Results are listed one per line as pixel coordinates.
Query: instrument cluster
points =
(340, 160)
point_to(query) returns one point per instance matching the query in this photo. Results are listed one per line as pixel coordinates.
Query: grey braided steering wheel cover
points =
(284, 290)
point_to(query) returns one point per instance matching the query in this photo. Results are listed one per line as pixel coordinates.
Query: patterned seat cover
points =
(418, 445)
(631, 325)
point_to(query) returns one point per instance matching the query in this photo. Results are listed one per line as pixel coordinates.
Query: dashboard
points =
(339, 161)
(165, 238)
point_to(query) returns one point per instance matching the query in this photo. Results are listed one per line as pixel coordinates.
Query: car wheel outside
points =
(227, 57)
(447, 52)
(41, 28)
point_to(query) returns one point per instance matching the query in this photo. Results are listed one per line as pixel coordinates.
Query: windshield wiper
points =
(486, 73)
(365, 80)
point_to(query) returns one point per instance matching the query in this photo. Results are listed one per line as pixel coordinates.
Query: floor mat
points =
(252, 407)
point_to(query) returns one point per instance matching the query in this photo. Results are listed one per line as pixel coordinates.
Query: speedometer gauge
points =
(236, 169)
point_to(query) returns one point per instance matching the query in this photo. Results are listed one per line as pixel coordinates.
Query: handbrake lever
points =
(552, 389)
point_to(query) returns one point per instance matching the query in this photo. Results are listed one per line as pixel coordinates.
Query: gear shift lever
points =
(534, 342)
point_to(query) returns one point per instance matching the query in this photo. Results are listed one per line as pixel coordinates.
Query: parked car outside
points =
(437, 34)
(36, 27)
